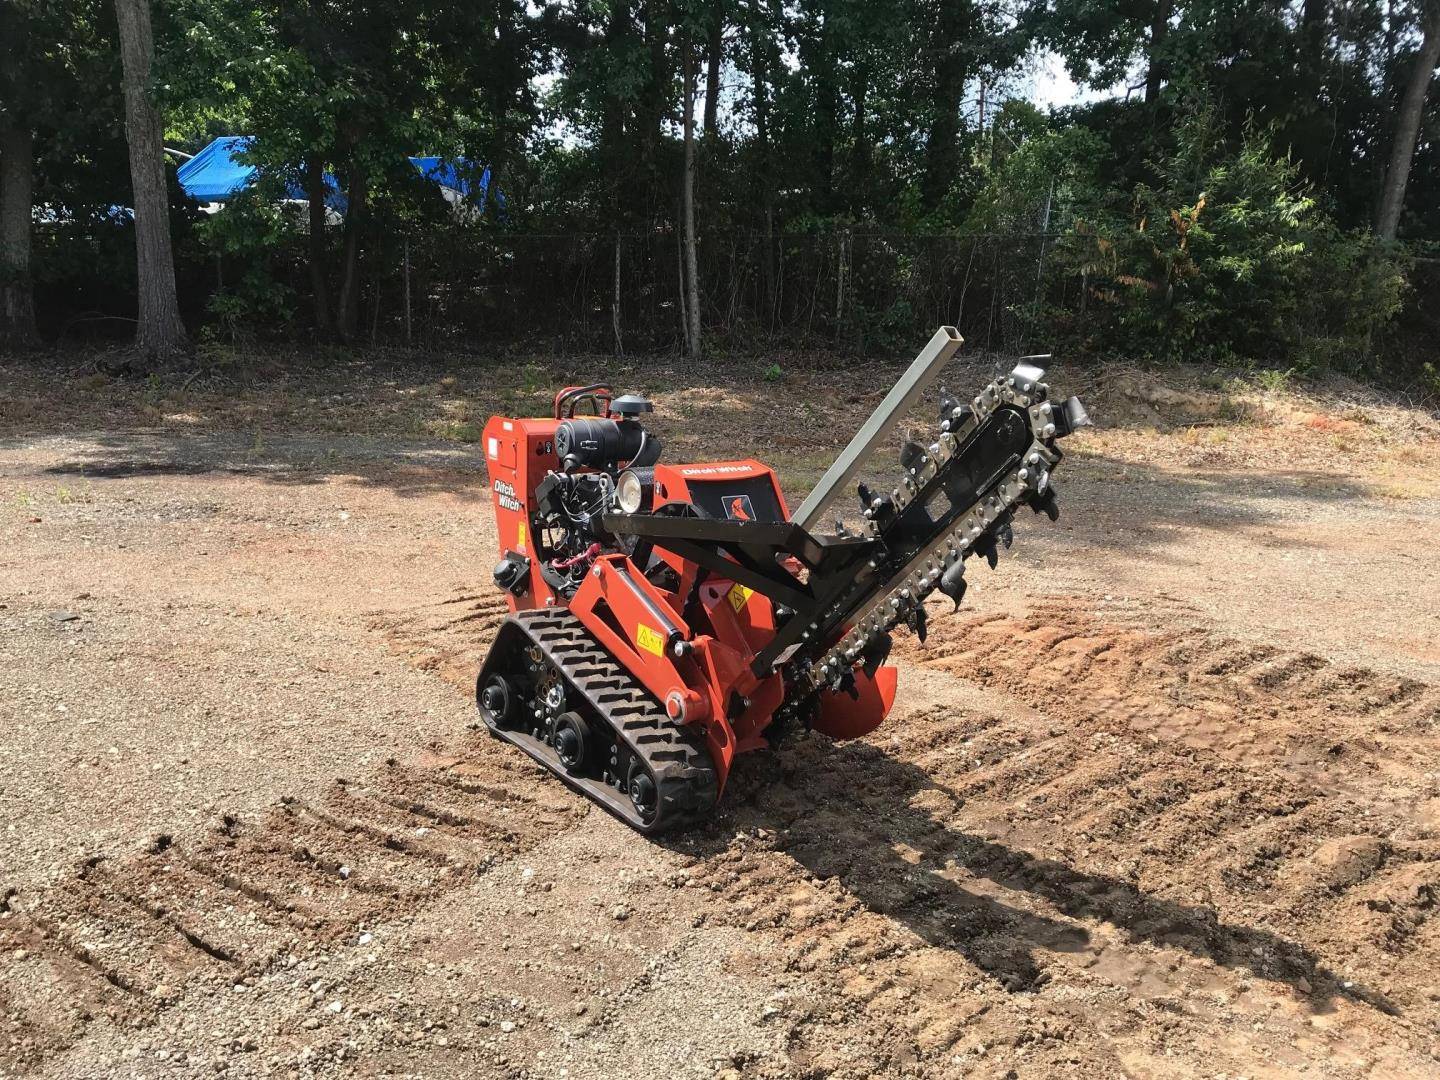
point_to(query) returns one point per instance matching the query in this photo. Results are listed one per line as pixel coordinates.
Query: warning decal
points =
(649, 640)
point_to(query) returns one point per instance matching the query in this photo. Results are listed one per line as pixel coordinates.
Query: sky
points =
(1047, 85)
(1051, 86)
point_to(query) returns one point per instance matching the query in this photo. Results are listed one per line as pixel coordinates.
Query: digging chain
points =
(1028, 482)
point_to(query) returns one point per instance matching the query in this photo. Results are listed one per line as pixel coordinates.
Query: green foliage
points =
(251, 236)
(1036, 174)
(1430, 380)
(885, 140)
(1225, 256)
(883, 328)
(1272, 379)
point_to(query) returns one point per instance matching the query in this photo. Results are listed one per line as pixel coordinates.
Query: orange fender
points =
(844, 717)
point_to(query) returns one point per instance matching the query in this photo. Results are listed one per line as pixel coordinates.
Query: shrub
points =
(1227, 256)
(254, 236)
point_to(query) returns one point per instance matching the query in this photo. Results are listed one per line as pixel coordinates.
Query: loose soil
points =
(1162, 799)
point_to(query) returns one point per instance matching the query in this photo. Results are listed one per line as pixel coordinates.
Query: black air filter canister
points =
(595, 442)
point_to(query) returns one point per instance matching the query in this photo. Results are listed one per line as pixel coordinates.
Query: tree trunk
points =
(827, 110)
(654, 102)
(617, 39)
(680, 289)
(17, 183)
(687, 200)
(504, 93)
(1407, 130)
(860, 147)
(498, 164)
(1384, 128)
(319, 279)
(17, 177)
(713, 57)
(762, 63)
(350, 274)
(1314, 15)
(942, 145)
(160, 334)
(1155, 65)
(615, 318)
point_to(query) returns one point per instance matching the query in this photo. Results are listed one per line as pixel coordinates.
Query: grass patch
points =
(454, 430)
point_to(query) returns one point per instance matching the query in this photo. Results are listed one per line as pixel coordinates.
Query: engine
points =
(601, 464)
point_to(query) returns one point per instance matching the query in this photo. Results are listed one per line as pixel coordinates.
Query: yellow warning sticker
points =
(520, 537)
(739, 596)
(649, 640)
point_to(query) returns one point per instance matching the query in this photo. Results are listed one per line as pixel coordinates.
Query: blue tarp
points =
(449, 174)
(216, 173)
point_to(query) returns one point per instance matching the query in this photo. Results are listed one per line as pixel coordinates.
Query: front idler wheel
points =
(573, 742)
(641, 789)
(496, 700)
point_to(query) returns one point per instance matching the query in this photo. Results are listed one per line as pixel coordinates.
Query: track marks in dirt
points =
(1202, 763)
(125, 938)
(879, 904)
(1222, 834)
(450, 637)
(935, 939)
(1205, 690)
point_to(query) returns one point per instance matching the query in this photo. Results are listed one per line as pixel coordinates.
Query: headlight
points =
(634, 489)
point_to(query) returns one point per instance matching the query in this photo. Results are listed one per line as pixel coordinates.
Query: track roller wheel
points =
(573, 742)
(561, 698)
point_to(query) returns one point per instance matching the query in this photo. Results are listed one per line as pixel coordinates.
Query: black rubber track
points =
(675, 755)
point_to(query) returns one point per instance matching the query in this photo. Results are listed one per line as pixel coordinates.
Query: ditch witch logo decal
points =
(505, 496)
(738, 508)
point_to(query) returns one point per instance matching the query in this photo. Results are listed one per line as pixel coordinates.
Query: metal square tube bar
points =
(840, 476)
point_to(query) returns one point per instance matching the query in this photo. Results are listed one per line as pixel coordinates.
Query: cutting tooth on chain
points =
(952, 582)
(985, 546)
(948, 404)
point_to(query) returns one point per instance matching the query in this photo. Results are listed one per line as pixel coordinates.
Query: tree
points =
(17, 181)
(1226, 255)
(1407, 127)
(714, 57)
(818, 83)
(965, 43)
(762, 56)
(316, 220)
(357, 87)
(942, 149)
(837, 116)
(687, 197)
(1100, 40)
(160, 333)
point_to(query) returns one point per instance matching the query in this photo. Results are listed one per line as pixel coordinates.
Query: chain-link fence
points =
(456, 287)
(852, 291)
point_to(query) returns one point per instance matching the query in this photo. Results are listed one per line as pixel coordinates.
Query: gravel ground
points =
(1164, 800)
